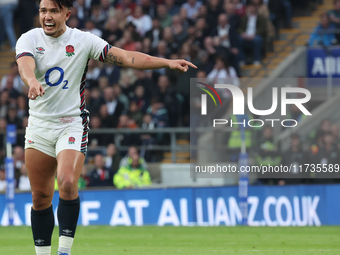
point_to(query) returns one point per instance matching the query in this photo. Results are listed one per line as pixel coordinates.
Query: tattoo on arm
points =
(133, 60)
(111, 59)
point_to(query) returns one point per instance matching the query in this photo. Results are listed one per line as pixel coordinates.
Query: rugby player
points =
(53, 62)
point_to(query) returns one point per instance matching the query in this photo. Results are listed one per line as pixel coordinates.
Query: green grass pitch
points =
(97, 240)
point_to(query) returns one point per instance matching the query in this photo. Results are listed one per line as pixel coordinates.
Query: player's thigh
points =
(71, 148)
(70, 165)
(70, 157)
(41, 170)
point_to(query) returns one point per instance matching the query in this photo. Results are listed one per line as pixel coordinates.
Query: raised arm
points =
(26, 67)
(143, 61)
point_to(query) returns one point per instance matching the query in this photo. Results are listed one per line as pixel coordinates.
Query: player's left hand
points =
(180, 65)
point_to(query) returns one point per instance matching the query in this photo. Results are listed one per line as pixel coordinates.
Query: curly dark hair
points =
(61, 3)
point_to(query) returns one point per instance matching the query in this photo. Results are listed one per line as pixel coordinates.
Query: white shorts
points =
(53, 141)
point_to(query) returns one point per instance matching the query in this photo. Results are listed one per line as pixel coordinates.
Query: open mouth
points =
(49, 25)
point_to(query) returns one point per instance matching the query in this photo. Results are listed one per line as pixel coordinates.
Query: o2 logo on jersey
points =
(61, 78)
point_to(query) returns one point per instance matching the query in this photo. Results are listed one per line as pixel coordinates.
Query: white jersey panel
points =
(61, 65)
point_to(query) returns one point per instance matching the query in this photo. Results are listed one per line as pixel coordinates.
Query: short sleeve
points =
(99, 48)
(24, 46)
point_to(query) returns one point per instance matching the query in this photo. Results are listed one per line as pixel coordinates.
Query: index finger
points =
(42, 91)
(190, 64)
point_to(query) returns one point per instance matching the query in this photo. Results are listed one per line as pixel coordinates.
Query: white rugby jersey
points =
(61, 66)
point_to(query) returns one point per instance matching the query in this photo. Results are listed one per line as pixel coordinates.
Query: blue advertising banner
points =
(320, 64)
(11, 131)
(299, 205)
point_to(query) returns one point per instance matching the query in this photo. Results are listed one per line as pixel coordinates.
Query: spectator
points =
(158, 113)
(126, 122)
(223, 71)
(96, 100)
(84, 179)
(164, 17)
(4, 103)
(183, 15)
(213, 11)
(24, 124)
(149, 124)
(167, 95)
(131, 151)
(112, 72)
(112, 158)
(155, 33)
(97, 139)
(103, 83)
(150, 139)
(127, 6)
(325, 127)
(162, 52)
(112, 32)
(287, 6)
(264, 11)
(322, 34)
(201, 31)
(127, 78)
(127, 139)
(3, 182)
(178, 29)
(253, 32)
(172, 8)
(127, 42)
(114, 107)
(274, 14)
(92, 74)
(172, 43)
(227, 37)
(142, 22)
(146, 46)
(19, 160)
(91, 27)
(328, 153)
(135, 114)
(12, 116)
(106, 9)
(121, 96)
(132, 175)
(136, 37)
(3, 126)
(295, 157)
(268, 152)
(83, 13)
(335, 133)
(23, 182)
(106, 119)
(192, 7)
(26, 12)
(141, 99)
(203, 13)
(240, 9)
(100, 176)
(97, 17)
(7, 9)
(13, 93)
(73, 21)
(148, 7)
(18, 84)
(334, 14)
(144, 80)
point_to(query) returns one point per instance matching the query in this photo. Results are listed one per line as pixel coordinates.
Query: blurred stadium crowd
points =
(218, 36)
